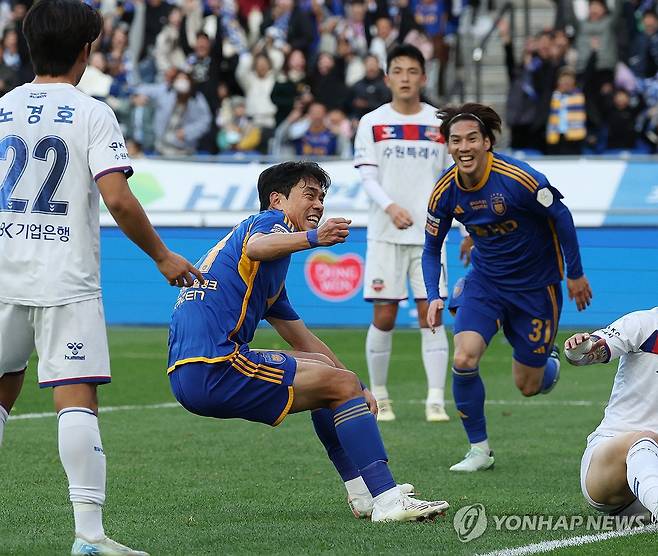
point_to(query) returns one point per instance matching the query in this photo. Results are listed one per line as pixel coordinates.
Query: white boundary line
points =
(548, 546)
(170, 405)
(106, 409)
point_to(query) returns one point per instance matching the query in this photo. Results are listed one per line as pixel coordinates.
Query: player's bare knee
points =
(465, 360)
(346, 385)
(322, 358)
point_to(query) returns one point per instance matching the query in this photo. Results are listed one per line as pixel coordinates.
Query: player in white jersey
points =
(619, 469)
(55, 142)
(400, 153)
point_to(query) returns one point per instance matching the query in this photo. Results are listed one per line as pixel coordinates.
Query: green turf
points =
(181, 484)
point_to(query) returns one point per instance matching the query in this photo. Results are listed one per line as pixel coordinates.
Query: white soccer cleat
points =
(104, 547)
(406, 508)
(361, 505)
(475, 460)
(385, 412)
(436, 413)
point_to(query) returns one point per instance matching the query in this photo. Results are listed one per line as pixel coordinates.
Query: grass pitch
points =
(181, 484)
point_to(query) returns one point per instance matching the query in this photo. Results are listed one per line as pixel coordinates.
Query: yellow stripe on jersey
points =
(272, 300)
(558, 250)
(288, 223)
(483, 181)
(516, 170)
(515, 178)
(247, 270)
(440, 187)
(520, 175)
(203, 360)
(212, 254)
(556, 311)
(286, 410)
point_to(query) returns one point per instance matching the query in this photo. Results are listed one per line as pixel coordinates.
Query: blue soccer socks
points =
(357, 432)
(551, 371)
(323, 421)
(468, 392)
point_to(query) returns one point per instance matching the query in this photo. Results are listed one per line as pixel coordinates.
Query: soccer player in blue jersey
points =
(520, 229)
(214, 373)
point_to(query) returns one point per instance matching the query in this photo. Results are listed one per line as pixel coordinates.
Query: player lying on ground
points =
(214, 373)
(519, 227)
(619, 469)
(54, 143)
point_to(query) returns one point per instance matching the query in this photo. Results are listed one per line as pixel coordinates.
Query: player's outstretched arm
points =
(131, 218)
(585, 349)
(436, 231)
(268, 247)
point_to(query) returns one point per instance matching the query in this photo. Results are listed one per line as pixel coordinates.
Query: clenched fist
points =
(333, 231)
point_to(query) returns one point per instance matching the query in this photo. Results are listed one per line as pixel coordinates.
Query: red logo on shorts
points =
(334, 278)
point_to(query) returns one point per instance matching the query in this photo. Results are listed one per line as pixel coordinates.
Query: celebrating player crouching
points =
(619, 468)
(214, 373)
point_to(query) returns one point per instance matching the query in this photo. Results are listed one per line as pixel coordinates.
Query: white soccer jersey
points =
(410, 154)
(54, 142)
(633, 404)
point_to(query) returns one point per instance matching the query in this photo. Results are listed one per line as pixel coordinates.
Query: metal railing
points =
(478, 51)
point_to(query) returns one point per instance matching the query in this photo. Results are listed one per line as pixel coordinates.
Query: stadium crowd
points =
(294, 76)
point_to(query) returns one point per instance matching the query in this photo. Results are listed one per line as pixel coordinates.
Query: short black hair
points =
(487, 118)
(281, 178)
(408, 50)
(56, 32)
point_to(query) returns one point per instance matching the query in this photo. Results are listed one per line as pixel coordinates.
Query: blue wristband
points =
(312, 237)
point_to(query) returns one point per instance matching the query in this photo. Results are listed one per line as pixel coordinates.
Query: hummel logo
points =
(75, 348)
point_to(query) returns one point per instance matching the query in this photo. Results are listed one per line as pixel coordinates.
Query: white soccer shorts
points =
(390, 265)
(70, 340)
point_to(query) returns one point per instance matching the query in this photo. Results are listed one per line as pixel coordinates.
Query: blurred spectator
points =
(566, 128)
(238, 133)
(385, 41)
(181, 115)
(14, 59)
(288, 24)
(328, 81)
(353, 64)
(648, 119)
(643, 59)
(168, 51)
(154, 16)
(95, 82)
(620, 118)
(290, 84)
(371, 92)
(8, 77)
(431, 16)
(339, 124)
(310, 136)
(120, 64)
(353, 28)
(203, 66)
(256, 75)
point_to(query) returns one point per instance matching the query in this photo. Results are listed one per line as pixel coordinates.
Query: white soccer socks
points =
(378, 355)
(434, 348)
(642, 473)
(83, 459)
(3, 420)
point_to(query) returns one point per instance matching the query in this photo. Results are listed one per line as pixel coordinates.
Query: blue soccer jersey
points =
(518, 223)
(211, 321)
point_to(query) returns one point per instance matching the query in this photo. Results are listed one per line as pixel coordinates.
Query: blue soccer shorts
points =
(252, 385)
(529, 318)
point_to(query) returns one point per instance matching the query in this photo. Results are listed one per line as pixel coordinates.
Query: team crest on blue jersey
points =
(498, 204)
(273, 358)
